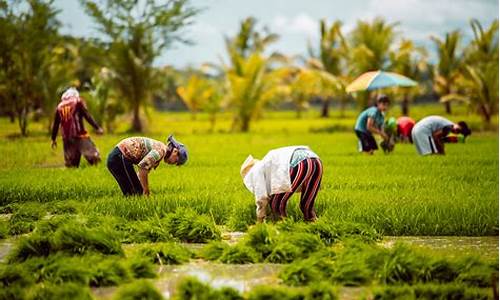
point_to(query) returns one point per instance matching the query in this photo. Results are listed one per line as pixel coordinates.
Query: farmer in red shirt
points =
(76, 141)
(405, 125)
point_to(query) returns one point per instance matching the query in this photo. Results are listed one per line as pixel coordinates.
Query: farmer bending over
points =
(278, 175)
(370, 122)
(76, 141)
(147, 154)
(429, 134)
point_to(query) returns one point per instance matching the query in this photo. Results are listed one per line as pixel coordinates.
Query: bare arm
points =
(370, 125)
(143, 178)
(88, 117)
(261, 208)
(55, 128)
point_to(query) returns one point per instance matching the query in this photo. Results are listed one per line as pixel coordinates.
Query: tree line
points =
(117, 75)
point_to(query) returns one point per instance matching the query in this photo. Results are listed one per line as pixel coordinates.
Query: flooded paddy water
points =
(244, 277)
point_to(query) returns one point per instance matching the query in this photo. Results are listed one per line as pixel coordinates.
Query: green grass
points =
(76, 219)
(397, 194)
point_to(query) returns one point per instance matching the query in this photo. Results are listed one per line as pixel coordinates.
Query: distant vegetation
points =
(117, 76)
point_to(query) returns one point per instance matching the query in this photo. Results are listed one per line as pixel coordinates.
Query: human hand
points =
(100, 131)
(54, 144)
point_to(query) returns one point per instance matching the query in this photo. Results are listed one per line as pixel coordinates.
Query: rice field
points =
(69, 230)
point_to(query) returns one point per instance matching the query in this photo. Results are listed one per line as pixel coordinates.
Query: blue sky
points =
(296, 21)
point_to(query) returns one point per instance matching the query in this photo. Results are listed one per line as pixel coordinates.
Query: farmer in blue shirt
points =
(370, 122)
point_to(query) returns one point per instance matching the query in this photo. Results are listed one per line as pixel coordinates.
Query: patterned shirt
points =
(69, 116)
(300, 155)
(145, 152)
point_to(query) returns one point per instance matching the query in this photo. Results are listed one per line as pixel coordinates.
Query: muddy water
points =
(244, 277)
(5, 246)
(239, 277)
(485, 246)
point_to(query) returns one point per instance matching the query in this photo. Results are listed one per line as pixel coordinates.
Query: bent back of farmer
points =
(371, 122)
(147, 154)
(69, 116)
(282, 172)
(429, 134)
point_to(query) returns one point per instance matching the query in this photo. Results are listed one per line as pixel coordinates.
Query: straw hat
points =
(247, 165)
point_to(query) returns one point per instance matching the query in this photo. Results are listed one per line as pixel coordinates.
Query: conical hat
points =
(247, 165)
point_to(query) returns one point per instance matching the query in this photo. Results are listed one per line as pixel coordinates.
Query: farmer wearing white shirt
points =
(429, 134)
(278, 175)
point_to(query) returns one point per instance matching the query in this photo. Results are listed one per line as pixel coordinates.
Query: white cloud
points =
(428, 12)
(302, 24)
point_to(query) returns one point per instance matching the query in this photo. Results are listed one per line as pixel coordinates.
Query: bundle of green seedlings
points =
(431, 292)
(62, 271)
(285, 242)
(24, 217)
(21, 218)
(62, 251)
(184, 225)
(356, 264)
(164, 253)
(139, 289)
(191, 288)
(46, 291)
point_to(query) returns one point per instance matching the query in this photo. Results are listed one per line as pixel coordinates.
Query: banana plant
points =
(448, 68)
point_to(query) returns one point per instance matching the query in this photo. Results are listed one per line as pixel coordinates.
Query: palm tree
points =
(479, 81)
(305, 83)
(194, 94)
(331, 56)
(370, 48)
(410, 61)
(448, 68)
(250, 86)
(202, 93)
(139, 31)
(250, 83)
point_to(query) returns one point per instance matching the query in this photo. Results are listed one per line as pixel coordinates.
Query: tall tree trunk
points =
(447, 107)
(136, 121)
(343, 101)
(212, 122)
(245, 124)
(23, 121)
(325, 109)
(298, 110)
(405, 106)
(486, 114)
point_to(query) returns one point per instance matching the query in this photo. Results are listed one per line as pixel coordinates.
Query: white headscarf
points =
(70, 93)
